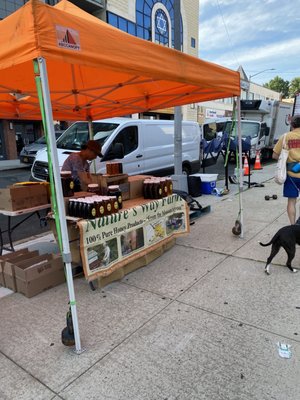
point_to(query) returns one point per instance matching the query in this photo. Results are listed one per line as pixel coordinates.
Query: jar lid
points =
(114, 187)
(65, 173)
(93, 185)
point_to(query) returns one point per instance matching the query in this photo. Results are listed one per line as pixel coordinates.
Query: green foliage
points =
(279, 85)
(288, 89)
(294, 87)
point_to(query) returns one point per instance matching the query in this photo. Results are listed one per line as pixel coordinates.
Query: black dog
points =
(287, 237)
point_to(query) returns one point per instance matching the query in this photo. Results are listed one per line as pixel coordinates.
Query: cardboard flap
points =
(34, 267)
(8, 267)
(15, 254)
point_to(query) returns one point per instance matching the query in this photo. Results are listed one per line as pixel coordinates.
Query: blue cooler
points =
(208, 182)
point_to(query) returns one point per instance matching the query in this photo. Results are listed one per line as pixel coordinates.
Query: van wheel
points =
(186, 169)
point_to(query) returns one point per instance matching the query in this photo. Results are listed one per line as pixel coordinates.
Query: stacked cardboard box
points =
(136, 184)
(106, 180)
(20, 197)
(29, 273)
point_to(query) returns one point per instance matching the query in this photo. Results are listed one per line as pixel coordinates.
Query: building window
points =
(193, 42)
(154, 22)
(8, 7)
(51, 2)
(161, 28)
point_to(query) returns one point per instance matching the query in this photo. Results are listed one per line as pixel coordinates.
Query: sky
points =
(258, 35)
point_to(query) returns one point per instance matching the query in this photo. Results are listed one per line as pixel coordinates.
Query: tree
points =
(294, 87)
(279, 85)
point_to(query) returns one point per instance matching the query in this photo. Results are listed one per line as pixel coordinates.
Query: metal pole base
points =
(78, 352)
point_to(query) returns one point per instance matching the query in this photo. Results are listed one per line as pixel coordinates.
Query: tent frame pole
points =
(241, 177)
(177, 109)
(66, 253)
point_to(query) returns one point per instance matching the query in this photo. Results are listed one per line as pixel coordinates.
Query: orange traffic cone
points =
(257, 164)
(246, 167)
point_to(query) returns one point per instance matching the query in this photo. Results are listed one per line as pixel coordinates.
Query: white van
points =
(147, 146)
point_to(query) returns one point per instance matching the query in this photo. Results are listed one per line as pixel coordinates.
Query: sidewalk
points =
(200, 322)
(12, 164)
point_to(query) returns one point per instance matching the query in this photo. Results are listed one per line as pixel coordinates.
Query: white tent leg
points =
(60, 200)
(241, 188)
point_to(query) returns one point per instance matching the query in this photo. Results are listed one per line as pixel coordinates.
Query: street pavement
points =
(12, 164)
(203, 321)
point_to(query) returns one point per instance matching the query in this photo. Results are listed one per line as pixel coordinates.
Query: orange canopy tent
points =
(95, 70)
(62, 63)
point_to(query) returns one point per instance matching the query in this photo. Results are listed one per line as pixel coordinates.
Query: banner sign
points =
(110, 242)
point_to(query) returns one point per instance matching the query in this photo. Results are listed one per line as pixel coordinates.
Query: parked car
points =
(28, 153)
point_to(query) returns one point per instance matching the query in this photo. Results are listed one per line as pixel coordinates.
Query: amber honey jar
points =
(114, 168)
(114, 190)
(164, 184)
(67, 183)
(170, 186)
(93, 188)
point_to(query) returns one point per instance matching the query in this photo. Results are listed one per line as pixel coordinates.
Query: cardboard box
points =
(39, 274)
(7, 257)
(9, 268)
(124, 187)
(2, 280)
(136, 185)
(14, 254)
(106, 180)
(25, 268)
(74, 239)
(37, 196)
(20, 197)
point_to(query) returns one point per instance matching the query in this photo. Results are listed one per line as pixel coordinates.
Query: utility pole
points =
(251, 76)
(179, 180)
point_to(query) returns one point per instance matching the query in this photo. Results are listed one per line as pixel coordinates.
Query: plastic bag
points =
(280, 173)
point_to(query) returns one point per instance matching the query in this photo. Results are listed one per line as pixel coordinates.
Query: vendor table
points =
(10, 228)
(118, 243)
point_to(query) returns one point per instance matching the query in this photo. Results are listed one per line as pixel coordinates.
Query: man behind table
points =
(77, 163)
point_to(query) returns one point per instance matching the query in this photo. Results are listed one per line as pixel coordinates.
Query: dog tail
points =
(266, 244)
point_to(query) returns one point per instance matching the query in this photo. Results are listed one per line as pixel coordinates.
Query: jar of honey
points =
(114, 204)
(170, 186)
(108, 204)
(114, 190)
(93, 188)
(164, 187)
(146, 188)
(67, 183)
(71, 206)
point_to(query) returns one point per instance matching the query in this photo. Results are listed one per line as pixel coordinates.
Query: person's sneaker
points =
(298, 221)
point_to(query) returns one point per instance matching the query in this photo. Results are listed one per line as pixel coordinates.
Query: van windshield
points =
(247, 128)
(42, 139)
(78, 134)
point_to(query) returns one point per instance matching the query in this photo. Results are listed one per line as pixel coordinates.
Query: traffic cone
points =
(246, 167)
(257, 164)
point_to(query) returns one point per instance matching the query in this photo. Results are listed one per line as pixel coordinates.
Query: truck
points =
(264, 121)
(147, 146)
